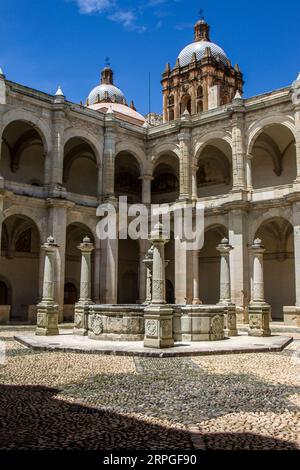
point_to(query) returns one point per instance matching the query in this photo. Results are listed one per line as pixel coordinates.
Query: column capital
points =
(86, 246)
(224, 247)
(146, 177)
(257, 247)
(50, 245)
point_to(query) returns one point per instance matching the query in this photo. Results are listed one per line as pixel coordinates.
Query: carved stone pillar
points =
(259, 310)
(81, 307)
(47, 309)
(148, 261)
(158, 318)
(224, 249)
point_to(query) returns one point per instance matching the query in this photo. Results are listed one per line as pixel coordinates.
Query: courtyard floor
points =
(59, 400)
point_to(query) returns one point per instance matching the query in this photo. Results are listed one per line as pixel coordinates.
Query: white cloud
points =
(94, 6)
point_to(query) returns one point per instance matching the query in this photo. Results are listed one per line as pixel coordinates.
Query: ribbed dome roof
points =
(199, 47)
(104, 90)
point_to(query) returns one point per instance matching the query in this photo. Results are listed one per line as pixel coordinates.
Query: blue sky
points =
(44, 43)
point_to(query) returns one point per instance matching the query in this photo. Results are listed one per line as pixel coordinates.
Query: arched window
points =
(199, 91)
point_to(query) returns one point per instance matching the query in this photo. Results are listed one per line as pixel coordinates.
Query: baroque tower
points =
(203, 77)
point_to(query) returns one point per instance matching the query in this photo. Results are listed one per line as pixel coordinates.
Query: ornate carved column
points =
(148, 261)
(47, 309)
(224, 249)
(259, 310)
(82, 307)
(158, 317)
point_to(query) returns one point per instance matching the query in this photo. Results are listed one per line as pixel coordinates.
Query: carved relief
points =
(151, 328)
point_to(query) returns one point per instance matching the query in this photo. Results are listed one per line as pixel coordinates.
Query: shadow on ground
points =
(36, 418)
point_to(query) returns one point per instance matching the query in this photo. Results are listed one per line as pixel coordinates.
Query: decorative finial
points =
(201, 14)
(298, 78)
(59, 91)
(237, 96)
(107, 62)
(1, 72)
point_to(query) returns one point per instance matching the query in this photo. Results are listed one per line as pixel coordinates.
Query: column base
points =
(230, 328)
(47, 319)
(259, 319)
(291, 315)
(81, 318)
(158, 327)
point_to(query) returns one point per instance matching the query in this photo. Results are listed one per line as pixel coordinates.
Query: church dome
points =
(104, 91)
(107, 98)
(199, 46)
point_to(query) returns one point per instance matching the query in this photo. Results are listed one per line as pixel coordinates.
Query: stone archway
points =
(23, 154)
(80, 170)
(20, 265)
(209, 265)
(74, 235)
(128, 271)
(165, 183)
(279, 264)
(214, 168)
(127, 177)
(273, 157)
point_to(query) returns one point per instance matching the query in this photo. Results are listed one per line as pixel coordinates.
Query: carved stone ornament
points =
(151, 328)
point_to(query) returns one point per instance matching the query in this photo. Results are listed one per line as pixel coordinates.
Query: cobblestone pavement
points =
(60, 400)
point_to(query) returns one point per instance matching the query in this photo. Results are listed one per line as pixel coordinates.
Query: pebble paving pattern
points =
(56, 400)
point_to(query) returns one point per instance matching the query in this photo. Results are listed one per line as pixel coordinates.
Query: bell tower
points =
(202, 78)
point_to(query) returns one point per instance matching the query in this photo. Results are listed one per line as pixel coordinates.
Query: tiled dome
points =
(199, 47)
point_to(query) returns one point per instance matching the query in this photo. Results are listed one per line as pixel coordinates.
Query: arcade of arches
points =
(272, 158)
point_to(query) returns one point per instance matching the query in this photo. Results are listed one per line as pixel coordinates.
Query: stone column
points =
(82, 307)
(109, 271)
(249, 172)
(148, 261)
(47, 309)
(194, 182)
(142, 272)
(296, 105)
(57, 225)
(97, 264)
(238, 150)
(184, 164)
(54, 160)
(109, 157)
(146, 188)
(291, 313)
(196, 295)
(259, 310)
(224, 249)
(158, 318)
(239, 262)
